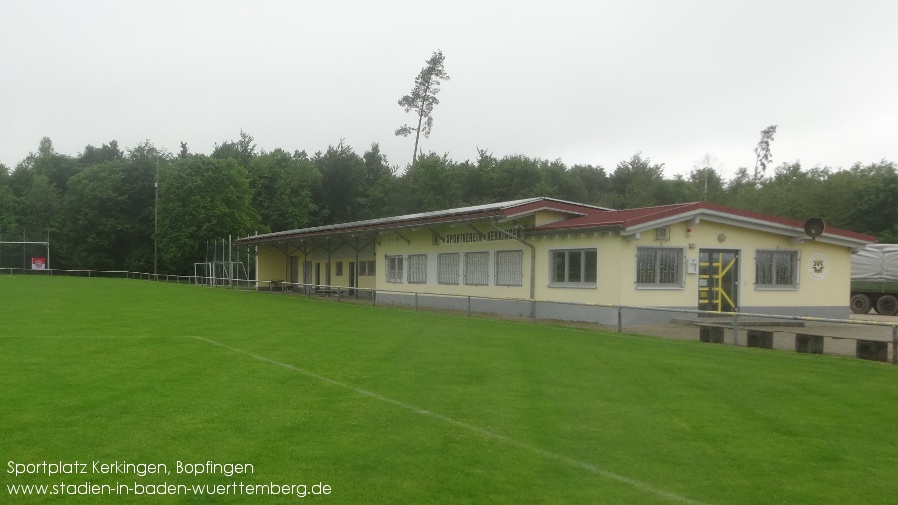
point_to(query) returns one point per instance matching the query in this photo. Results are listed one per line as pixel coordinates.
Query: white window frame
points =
(394, 269)
(575, 264)
(477, 268)
(417, 268)
(448, 268)
(509, 268)
(657, 268)
(779, 258)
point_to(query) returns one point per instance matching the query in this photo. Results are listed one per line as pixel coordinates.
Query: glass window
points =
(477, 268)
(574, 266)
(659, 267)
(776, 269)
(447, 268)
(509, 268)
(366, 268)
(394, 269)
(417, 268)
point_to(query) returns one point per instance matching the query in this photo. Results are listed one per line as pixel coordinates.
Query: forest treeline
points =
(99, 208)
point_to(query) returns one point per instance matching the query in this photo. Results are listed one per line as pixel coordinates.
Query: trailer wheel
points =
(887, 305)
(860, 304)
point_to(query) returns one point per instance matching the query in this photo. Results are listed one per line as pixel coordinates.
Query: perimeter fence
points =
(862, 336)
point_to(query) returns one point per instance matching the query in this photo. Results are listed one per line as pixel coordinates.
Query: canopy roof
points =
(500, 211)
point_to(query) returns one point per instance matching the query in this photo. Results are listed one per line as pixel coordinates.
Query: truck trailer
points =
(874, 279)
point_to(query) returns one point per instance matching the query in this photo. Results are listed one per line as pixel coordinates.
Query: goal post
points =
(25, 255)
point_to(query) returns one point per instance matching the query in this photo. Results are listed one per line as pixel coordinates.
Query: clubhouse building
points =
(556, 259)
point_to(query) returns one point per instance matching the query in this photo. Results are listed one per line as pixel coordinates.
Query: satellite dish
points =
(814, 227)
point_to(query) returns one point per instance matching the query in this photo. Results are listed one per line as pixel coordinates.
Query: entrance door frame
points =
(709, 281)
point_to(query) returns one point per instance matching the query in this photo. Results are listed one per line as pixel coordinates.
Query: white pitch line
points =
(72, 337)
(637, 484)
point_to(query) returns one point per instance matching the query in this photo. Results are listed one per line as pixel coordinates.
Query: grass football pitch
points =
(125, 391)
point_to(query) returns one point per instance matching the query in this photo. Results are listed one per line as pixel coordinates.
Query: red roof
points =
(632, 218)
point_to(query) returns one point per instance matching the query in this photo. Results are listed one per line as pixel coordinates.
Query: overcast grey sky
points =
(587, 82)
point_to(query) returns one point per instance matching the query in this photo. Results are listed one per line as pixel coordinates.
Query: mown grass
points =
(391, 406)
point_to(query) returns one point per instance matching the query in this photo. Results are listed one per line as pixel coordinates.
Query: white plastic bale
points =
(876, 262)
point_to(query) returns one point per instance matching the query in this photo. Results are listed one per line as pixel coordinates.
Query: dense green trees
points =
(98, 207)
(343, 177)
(282, 187)
(202, 199)
(638, 183)
(108, 210)
(95, 209)
(7, 202)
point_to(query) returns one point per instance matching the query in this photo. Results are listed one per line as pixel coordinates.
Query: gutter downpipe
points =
(532, 265)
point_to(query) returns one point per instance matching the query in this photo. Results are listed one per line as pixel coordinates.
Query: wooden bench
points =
(271, 285)
(332, 291)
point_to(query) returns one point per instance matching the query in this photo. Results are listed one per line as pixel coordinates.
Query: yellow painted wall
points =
(616, 272)
(607, 287)
(343, 279)
(270, 264)
(547, 216)
(829, 290)
(273, 264)
(454, 240)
